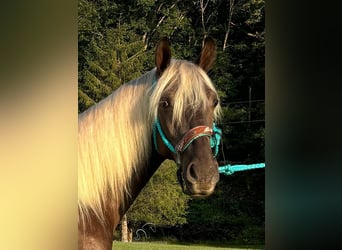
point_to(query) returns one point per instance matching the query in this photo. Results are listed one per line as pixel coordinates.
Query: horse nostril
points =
(191, 173)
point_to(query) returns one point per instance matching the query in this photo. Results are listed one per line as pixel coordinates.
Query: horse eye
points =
(216, 102)
(164, 103)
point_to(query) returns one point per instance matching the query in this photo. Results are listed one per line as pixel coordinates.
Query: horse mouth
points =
(199, 191)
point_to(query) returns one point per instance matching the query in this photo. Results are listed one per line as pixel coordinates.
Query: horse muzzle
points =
(198, 182)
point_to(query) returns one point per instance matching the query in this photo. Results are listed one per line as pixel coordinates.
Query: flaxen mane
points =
(189, 84)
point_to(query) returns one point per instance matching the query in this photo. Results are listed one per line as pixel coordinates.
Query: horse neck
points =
(96, 235)
(139, 181)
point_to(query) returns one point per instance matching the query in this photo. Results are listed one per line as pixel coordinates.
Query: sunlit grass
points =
(165, 245)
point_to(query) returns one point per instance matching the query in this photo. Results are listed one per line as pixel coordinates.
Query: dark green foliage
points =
(116, 43)
(236, 207)
(161, 202)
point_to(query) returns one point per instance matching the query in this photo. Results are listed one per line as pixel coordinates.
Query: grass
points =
(170, 246)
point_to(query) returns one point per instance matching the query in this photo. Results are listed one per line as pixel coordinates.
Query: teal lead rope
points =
(229, 169)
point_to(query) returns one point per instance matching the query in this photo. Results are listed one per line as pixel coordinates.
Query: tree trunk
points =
(124, 229)
(231, 8)
(130, 235)
(203, 7)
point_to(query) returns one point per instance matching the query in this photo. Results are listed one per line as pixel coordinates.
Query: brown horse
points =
(168, 113)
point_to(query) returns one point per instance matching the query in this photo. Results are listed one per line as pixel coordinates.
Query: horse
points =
(167, 113)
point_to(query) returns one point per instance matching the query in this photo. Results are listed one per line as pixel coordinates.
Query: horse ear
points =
(163, 55)
(208, 54)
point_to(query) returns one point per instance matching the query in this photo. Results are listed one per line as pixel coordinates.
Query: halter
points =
(193, 134)
(214, 133)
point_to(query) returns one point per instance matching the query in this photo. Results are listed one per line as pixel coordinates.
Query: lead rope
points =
(230, 169)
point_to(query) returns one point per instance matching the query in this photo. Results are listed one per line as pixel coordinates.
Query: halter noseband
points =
(193, 134)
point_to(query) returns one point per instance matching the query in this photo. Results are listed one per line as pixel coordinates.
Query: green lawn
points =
(169, 246)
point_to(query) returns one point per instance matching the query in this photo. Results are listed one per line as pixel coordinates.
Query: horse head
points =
(186, 106)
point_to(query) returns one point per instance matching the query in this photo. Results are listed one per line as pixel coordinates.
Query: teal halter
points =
(167, 143)
(215, 137)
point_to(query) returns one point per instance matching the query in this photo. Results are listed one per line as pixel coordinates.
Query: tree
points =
(124, 229)
(235, 208)
(110, 53)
